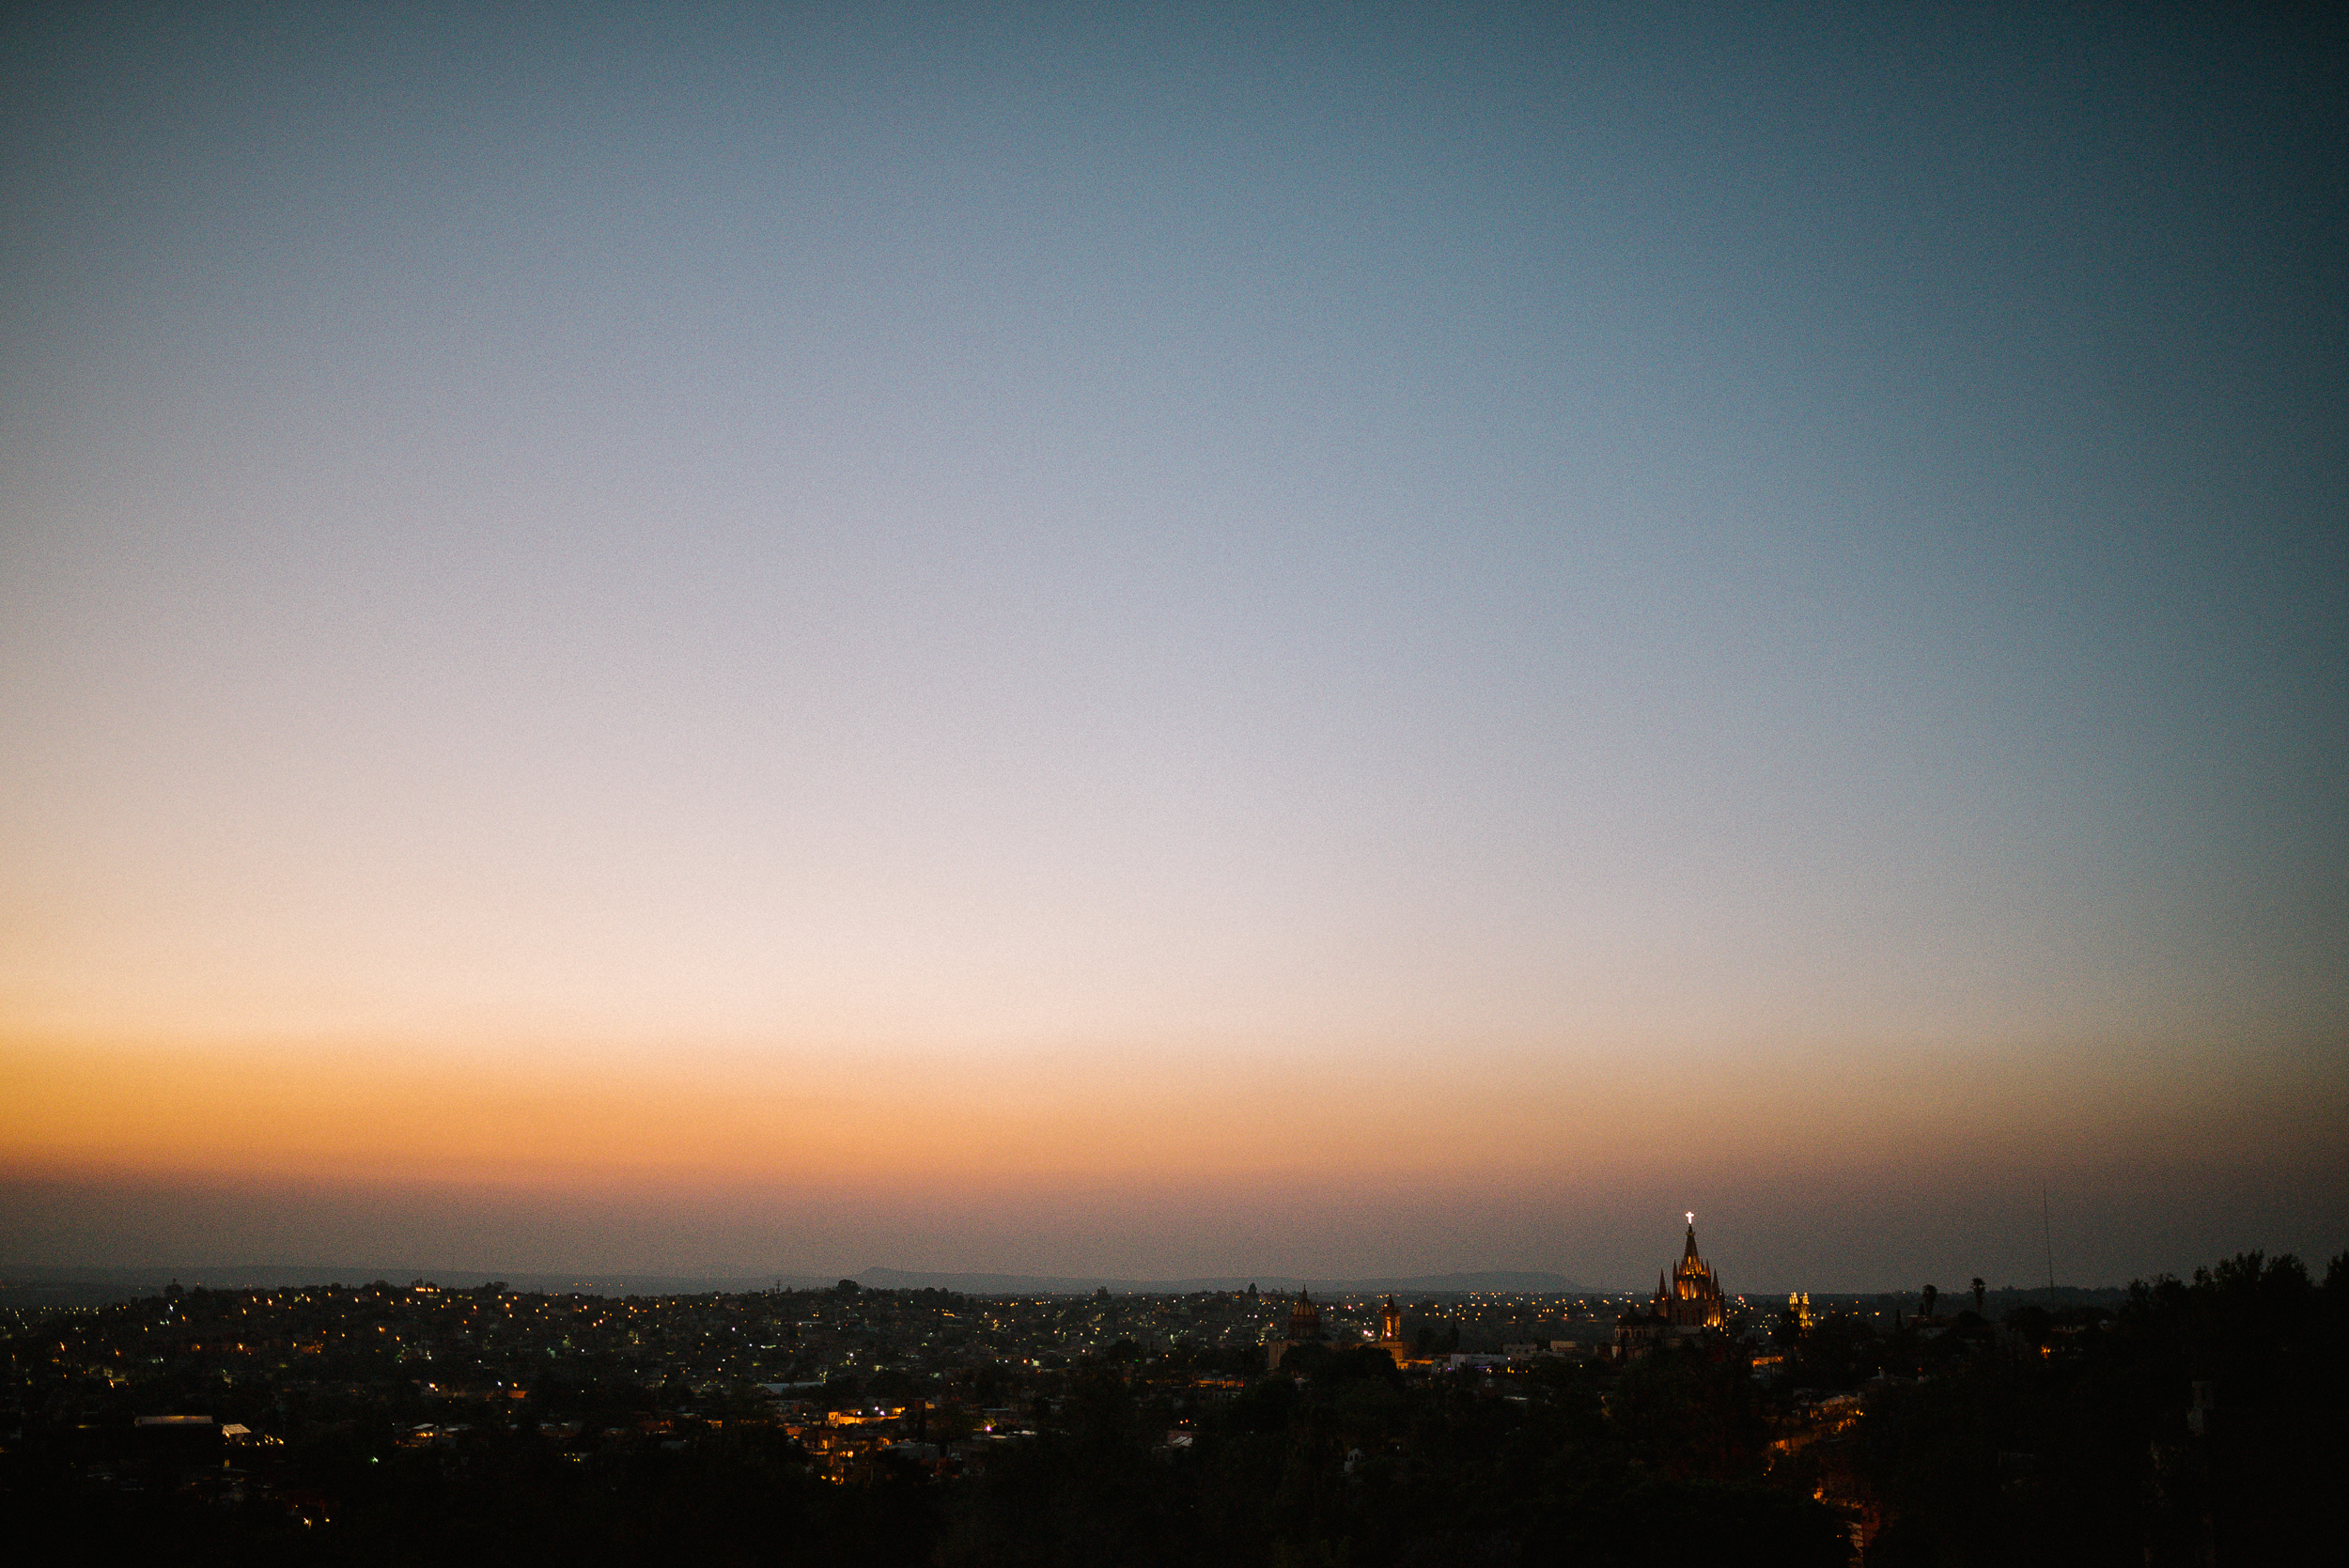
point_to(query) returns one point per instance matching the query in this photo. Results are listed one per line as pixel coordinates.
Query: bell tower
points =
(1690, 1295)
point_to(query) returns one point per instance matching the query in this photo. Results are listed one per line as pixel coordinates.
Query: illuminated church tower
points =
(1690, 1295)
(1391, 1338)
(1304, 1328)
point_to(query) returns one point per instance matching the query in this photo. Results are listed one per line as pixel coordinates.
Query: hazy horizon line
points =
(234, 1275)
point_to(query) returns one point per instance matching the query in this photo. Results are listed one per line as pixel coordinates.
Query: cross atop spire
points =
(1690, 1295)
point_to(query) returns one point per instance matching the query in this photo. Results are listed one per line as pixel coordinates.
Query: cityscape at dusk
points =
(728, 652)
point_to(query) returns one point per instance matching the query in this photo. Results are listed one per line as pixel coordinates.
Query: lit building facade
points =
(1391, 1338)
(1304, 1328)
(1688, 1304)
(1690, 1295)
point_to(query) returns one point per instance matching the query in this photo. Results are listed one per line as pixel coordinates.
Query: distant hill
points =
(23, 1285)
(49, 1285)
(1502, 1280)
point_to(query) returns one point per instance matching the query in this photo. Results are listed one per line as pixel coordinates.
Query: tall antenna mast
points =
(2046, 1233)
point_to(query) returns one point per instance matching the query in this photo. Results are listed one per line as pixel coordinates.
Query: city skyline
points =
(1030, 641)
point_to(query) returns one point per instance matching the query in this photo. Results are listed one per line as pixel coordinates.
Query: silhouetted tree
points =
(2196, 1425)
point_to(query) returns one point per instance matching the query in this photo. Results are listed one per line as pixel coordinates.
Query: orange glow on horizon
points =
(1013, 1120)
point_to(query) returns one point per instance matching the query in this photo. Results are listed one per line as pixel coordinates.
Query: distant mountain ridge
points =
(1517, 1282)
(51, 1286)
(41, 1285)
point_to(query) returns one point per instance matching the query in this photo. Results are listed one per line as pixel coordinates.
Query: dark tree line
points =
(2202, 1423)
(1345, 1462)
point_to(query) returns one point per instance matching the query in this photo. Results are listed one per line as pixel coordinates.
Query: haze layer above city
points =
(1123, 643)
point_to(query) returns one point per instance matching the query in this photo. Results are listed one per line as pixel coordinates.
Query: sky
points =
(1167, 640)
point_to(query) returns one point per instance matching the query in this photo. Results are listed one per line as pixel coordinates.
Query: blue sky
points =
(1778, 546)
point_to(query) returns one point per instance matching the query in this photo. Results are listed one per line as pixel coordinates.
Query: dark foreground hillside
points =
(2202, 1423)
